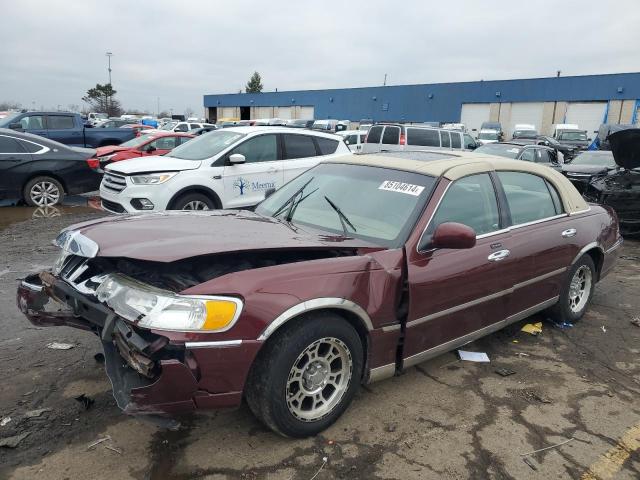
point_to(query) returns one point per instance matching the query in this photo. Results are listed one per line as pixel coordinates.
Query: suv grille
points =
(113, 182)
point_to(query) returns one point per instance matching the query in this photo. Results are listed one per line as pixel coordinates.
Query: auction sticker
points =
(400, 187)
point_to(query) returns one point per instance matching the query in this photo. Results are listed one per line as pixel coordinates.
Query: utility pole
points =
(385, 80)
(158, 109)
(109, 54)
(558, 73)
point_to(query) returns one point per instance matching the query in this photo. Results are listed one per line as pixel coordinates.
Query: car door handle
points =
(569, 232)
(499, 255)
(272, 170)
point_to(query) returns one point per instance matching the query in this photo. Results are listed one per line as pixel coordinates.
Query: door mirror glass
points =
(236, 158)
(15, 126)
(149, 148)
(453, 235)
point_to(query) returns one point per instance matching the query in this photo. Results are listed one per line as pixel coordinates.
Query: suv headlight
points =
(152, 178)
(105, 158)
(151, 307)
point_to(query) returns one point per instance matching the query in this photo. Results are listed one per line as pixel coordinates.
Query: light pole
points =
(108, 54)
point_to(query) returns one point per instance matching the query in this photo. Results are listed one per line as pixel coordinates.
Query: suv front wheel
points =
(194, 201)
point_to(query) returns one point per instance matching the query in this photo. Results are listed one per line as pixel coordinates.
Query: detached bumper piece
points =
(148, 373)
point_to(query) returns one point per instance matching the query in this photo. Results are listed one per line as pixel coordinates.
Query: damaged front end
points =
(620, 189)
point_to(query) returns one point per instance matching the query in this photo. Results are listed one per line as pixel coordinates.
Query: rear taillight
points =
(403, 140)
(93, 163)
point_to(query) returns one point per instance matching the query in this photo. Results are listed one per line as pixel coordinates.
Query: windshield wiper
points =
(344, 221)
(290, 201)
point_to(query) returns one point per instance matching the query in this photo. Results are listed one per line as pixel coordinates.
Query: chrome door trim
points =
(218, 344)
(615, 245)
(470, 337)
(585, 249)
(480, 300)
(317, 304)
(569, 232)
(588, 209)
(391, 328)
(380, 373)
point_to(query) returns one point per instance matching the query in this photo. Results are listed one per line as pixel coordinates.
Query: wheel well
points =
(351, 318)
(202, 190)
(44, 174)
(598, 258)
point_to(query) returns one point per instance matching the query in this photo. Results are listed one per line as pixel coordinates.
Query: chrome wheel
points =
(45, 193)
(580, 289)
(196, 205)
(318, 379)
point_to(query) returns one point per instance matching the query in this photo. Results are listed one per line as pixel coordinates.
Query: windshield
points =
(500, 149)
(205, 146)
(488, 136)
(168, 126)
(135, 142)
(573, 136)
(100, 115)
(379, 205)
(595, 158)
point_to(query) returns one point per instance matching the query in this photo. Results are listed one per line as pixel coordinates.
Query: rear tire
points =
(194, 201)
(576, 293)
(306, 375)
(43, 192)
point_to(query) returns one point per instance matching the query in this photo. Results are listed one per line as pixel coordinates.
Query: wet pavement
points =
(72, 205)
(444, 419)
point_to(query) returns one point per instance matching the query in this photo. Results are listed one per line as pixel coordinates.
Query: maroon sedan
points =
(352, 272)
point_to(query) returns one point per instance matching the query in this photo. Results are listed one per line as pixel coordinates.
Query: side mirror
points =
(268, 192)
(16, 126)
(346, 141)
(472, 146)
(454, 236)
(236, 158)
(88, 125)
(150, 148)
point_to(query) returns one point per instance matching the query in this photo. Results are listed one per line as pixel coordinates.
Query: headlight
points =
(152, 178)
(104, 158)
(152, 307)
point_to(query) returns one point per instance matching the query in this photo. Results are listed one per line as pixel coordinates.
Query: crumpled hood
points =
(592, 169)
(625, 146)
(154, 163)
(171, 236)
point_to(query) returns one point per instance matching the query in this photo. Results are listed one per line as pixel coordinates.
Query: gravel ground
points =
(444, 419)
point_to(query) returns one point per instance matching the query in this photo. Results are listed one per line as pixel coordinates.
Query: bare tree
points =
(9, 105)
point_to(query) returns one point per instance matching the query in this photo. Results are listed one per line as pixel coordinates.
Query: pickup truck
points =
(67, 128)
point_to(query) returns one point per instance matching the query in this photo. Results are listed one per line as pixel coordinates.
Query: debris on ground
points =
(85, 400)
(60, 346)
(98, 442)
(36, 413)
(504, 372)
(530, 463)
(603, 329)
(562, 325)
(532, 395)
(391, 427)
(547, 448)
(522, 354)
(324, 462)
(29, 393)
(5, 421)
(636, 322)
(12, 442)
(479, 357)
(113, 449)
(532, 328)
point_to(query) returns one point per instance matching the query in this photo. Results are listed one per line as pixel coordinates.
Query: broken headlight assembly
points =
(151, 307)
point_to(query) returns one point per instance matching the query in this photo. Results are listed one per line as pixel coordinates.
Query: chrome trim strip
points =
(534, 222)
(380, 373)
(317, 304)
(480, 300)
(219, 344)
(31, 286)
(74, 242)
(470, 337)
(531, 310)
(391, 328)
(531, 281)
(457, 308)
(618, 244)
(491, 234)
(580, 211)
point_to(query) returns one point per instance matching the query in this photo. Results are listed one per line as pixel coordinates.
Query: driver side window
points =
(471, 201)
(258, 149)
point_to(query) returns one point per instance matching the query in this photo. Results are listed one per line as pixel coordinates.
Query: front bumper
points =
(150, 373)
(121, 202)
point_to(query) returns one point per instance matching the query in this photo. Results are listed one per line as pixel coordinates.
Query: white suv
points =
(229, 168)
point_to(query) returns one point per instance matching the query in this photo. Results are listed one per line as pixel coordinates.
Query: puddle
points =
(72, 204)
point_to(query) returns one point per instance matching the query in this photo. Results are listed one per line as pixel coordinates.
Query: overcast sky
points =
(53, 51)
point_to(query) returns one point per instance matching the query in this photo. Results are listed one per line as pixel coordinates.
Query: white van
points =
(390, 137)
(227, 168)
(354, 139)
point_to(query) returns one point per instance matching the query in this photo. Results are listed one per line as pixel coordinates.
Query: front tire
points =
(43, 192)
(194, 201)
(307, 375)
(576, 293)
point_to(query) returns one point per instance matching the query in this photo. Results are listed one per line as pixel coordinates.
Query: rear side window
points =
(30, 147)
(423, 137)
(326, 145)
(59, 122)
(528, 197)
(528, 155)
(183, 127)
(374, 135)
(542, 156)
(351, 139)
(9, 145)
(455, 140)
(444, 138)
(391, 136)
(298, 146)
